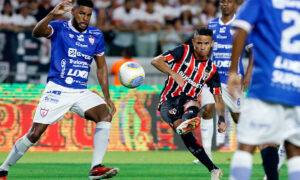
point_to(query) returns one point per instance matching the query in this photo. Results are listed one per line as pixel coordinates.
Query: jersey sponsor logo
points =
(219, 36)
(81, 45)
(92, 40)
(77, 63)
(94, 32)
(286, 78)
(80, 38)
(69, 80)
(63, 68)
(222, 29)
(74, 53)
(44, 112)
(51, 99)
(221, 46)
(189, 80)
(287, 64)
(225, 64)
(78, 73)
(219, 55)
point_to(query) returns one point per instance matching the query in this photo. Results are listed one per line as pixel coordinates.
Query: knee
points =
(247, 148)
(34, 135)
(208, 110)
(291, 150)
(206, 114)
(105, 118)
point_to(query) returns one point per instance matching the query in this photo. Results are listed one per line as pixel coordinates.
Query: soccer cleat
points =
(265, 178)
(3, 175)
(102, 172)
(216, 174)
(188, 125)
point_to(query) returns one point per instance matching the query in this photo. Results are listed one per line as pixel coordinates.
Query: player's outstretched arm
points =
(220, 108)
(102, 75)
(234, 82)
(42, 29)
(159, 63)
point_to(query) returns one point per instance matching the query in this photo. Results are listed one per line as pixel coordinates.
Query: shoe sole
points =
(193, 124)
(109, 174)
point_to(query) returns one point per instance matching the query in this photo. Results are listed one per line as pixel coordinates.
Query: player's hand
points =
(222, 127)
(61, 9)
(111, 106)
(179, 79)
(234, 84)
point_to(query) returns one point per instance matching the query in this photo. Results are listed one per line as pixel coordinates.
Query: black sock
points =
(270, 162)
(197, 150)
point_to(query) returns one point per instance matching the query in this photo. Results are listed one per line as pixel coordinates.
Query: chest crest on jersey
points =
(92, 40)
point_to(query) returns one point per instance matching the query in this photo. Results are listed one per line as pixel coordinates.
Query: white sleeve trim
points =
(249, 46)
(51, 32)
(100, 54)
(242, 24)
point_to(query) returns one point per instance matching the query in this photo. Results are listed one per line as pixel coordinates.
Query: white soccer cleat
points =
(188, 125)
(216, 174)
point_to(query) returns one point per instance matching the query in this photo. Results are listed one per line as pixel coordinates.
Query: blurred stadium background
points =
(148, 28)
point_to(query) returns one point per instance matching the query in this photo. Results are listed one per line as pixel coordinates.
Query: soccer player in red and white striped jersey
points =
(190, 68)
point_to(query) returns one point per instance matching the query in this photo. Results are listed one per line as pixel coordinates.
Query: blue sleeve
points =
(56, 25)
(100, 46)
(248, 14)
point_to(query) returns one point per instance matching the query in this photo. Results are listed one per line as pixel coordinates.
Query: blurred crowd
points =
(147, 26)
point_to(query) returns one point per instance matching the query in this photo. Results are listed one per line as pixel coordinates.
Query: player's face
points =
(228, 7)
(202, 45)
(81, 17)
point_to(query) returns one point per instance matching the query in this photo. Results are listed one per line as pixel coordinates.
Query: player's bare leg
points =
(102, 117)
(21, 146)
(293, 156)
(235, 117)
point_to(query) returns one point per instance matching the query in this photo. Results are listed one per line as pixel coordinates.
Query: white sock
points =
(207, 132)
(282, 155)
(20, 147)
(293, 165)
(241, 165)
(101, 140)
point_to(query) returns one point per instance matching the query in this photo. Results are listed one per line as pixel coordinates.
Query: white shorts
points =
(57, 100)
(230, 103)
(263, 122)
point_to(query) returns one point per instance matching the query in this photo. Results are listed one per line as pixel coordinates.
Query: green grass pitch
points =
(157, 165)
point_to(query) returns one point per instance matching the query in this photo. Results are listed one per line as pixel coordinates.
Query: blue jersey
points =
(72, 53)
(221, 52)
(275, 31)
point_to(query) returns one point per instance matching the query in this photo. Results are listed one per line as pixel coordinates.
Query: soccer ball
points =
(131, 74)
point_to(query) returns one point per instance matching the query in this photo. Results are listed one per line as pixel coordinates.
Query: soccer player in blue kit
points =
(271, 113)
(74, 44)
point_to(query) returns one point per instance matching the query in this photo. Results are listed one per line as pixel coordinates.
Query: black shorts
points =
(173, 109)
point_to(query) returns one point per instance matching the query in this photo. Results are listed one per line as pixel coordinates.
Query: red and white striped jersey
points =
(195, 72)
